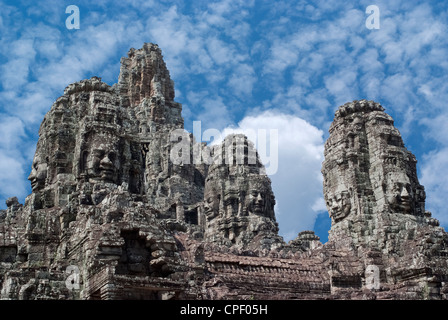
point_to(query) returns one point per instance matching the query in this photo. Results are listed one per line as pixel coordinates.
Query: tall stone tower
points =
(370, 178)
(238, 199)
(374, 199)
(147, 91)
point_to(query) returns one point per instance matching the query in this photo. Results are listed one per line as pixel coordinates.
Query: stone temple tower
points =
(238, 199)
(369, 174)
(373, 196)
(147, 91)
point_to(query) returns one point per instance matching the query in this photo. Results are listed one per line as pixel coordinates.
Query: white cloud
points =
(14, 73)
(12, 131)
(433, 178)
(12, 161)
(343, 86)
(283, 55)
(220, 51)
(214, 114)
(11, 178)
(242, 80)
(437, 129)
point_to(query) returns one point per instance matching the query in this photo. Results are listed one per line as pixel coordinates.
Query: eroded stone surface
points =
(112, 216)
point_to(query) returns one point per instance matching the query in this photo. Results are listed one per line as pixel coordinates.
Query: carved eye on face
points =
(98, 154)
(112, 156)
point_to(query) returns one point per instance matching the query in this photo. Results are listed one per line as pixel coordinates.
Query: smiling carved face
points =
(260, 199)
(339, 205)
(103, 159)
(38, 174)
(257, 201)
(211, 205)
(399, 197)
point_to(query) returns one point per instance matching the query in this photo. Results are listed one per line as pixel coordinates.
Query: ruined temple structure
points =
(112, 216)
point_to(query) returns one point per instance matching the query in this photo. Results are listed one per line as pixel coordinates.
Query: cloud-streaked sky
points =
(242, 64)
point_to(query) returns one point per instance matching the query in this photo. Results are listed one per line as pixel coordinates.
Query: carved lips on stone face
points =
(38, 174)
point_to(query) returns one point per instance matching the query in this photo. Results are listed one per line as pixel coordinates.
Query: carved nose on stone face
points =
(259, 198)
(32, 175)
(334, 204)
(404, 194)
(106, 163)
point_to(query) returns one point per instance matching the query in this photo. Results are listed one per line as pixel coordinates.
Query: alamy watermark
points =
(373, 20)
(190, 149)
(72, 281)
(73, 20)
(372, 275)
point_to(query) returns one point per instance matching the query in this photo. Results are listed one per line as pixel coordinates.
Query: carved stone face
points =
(339, 205)
(38, 173)
(399, 197)
(256, 202)
(260, 199)
(420, 196)
(211, 205)
(232, 203)
(103, 161)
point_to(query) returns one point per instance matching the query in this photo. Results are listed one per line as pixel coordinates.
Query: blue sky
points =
(286, 65)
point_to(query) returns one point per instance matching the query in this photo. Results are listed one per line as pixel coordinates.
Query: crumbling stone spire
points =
(144, 83)
(146, 91)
